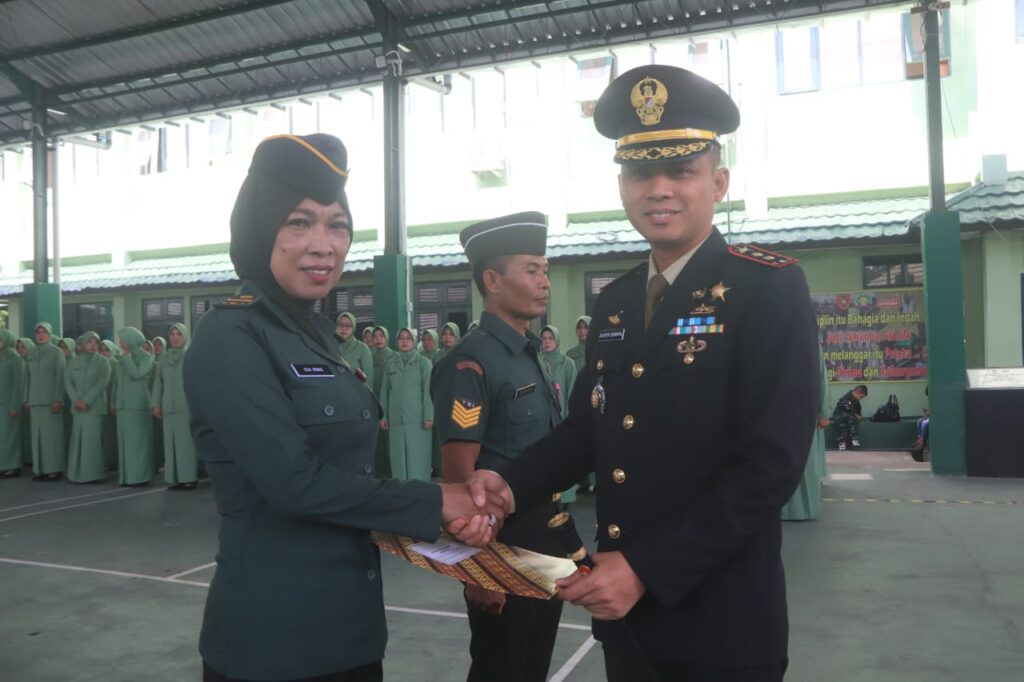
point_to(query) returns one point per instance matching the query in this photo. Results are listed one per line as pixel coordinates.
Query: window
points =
(158, 314)
(200, 306)
(220, 139)
(440, 302)
(146, 150)
(796, 58)
(1020, 21)
(355, 300)
(592, 77)
(913, 44)
(79, 318)
(594, 282)
(893, 271)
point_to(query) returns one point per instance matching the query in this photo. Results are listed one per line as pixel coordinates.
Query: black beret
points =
(662, 113)
(519, 233)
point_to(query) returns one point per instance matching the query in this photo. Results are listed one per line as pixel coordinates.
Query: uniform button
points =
(619, 476)
(368, 468)
(529, 413)
(371, 574)
(600, 365)
(627, 422)
(638, 370)
(329, 411)
(614, 532)
(366, 414)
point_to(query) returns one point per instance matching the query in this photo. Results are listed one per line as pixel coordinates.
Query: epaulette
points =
(240, 301)
(756, 254)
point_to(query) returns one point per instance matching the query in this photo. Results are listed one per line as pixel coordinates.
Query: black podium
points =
(995, 422)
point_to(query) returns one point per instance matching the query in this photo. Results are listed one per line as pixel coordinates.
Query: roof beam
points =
(144, 30)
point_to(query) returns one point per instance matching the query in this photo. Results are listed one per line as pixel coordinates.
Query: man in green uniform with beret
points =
(695, 409)
(492, 399)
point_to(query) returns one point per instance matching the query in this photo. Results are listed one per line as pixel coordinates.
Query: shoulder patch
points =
(466, 413)
(469, 364)
(756, 254)
(240, 301)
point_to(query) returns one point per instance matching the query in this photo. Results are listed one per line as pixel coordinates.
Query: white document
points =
(444, 551)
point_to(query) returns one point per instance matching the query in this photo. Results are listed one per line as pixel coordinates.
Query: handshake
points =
(473, 512)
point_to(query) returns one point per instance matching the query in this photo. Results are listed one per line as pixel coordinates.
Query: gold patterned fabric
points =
(661, 153)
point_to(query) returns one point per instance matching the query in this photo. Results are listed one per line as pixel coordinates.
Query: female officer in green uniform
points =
(408, 410)
(431, 348)
(46, 403)
(450, 334)
(12, 394)
(131, 400)
(169, 406)
(287, 433)
(578, 353)
(562, 373)
(111, 353)
(23, 346)
(86, 384)
(353, 351)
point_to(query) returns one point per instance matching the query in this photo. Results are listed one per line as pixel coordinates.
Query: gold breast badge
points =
(699, 294)
(718, 292)
(703, 309)
(614, 318)
(690, 346)
(648, 98)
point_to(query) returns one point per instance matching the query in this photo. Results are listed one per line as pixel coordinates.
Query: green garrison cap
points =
(519, 233)
(659, 114)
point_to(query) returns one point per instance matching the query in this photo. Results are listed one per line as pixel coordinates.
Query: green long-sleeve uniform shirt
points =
(405, 395)
(287, 434)
(86, 380)
(12, 394)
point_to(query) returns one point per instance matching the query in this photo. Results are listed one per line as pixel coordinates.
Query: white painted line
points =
(574, 660)
(83, 504)
(192, 570)
(850, 477)
(60, 499)
(921, 469)
(196, 583)
(101, 571)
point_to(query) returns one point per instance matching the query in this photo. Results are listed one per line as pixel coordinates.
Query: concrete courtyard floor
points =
(904, 577)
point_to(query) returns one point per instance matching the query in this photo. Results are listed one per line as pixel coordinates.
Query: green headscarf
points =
(552, 355)
(173, 356)
(70, 348)
(432, 355)
(163, 342)
(134, 339)
(408, 357)
(49, 330)
(25, 341)
(115, 350)
(381, 355)
(454, 328)
(352, 340)
(85, 357)
(7, 338)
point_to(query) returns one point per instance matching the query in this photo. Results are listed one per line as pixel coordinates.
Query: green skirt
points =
(10, 441)
(48, 453)
(180, 463)
(134, 447)
(85, 451)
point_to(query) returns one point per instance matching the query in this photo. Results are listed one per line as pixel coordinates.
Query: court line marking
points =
(850, 477)
(192, 570)
(196, 583)
(1004, 503)
(574, 660)
(59, 499)
(914, 469)
(83, 504)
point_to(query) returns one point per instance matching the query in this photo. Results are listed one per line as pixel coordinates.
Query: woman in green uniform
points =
(23, 346)
(86, 383)
(562, 373)
(12, 395)
(159, 348)
(382, 354)
(368, 336)
(287, 433)
(134, 420)
(169, 406)
(111, 353)
(46, 404)
(450, 334)
(431, 347)
(408, 410)
(805, 504)
(353, 351)
(578, 353)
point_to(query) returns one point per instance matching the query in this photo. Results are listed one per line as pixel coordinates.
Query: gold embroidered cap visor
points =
(659, 114)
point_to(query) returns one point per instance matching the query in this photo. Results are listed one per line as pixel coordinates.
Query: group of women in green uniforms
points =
(81, 407)
(408, 446)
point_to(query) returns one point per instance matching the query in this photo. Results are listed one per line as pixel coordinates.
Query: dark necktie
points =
(656, 288)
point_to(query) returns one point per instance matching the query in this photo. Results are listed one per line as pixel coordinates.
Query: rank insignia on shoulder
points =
(763, 256)
(466, 413)
(469, 364)
(240, 301)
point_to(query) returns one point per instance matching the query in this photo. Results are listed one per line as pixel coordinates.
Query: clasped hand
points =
(474, 516)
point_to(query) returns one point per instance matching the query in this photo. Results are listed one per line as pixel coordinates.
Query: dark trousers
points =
(371, 672)
(847, 427)
(516, 645)
(629, 664)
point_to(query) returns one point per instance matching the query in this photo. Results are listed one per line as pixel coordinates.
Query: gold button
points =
(600, 365)
(614, 532)
(688, 359)
(627, 422)
(556, 497)
(619, 476)
(638, 370)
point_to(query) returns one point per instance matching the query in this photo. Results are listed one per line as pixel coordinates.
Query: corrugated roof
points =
(107, 63)
(782, 227)
(988, 203)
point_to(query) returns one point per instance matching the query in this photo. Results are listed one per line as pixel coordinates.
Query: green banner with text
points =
(873, 335)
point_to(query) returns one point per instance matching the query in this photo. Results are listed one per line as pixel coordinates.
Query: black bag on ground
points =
(890, 412)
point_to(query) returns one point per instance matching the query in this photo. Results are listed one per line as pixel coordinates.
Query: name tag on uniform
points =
(611, 335)
(312, 371)
(524, 390)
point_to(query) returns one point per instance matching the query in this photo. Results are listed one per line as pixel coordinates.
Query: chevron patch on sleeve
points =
(466, 413)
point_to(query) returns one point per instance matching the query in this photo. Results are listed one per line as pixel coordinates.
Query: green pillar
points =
(947, 365)
(40, 303)
(390, 287)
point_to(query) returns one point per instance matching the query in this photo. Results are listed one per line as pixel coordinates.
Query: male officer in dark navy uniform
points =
(695, 409)
(492, 400)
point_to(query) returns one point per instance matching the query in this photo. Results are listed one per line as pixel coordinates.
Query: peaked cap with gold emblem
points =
(660, 114)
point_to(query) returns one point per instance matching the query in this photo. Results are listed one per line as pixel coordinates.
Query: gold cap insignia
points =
(648, 98)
